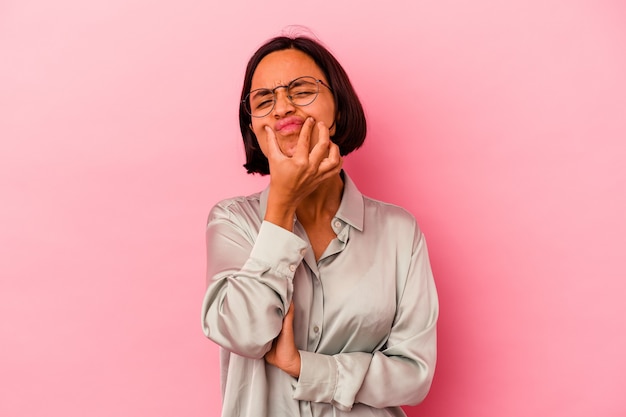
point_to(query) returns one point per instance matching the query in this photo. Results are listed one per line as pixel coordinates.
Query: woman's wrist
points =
(293, 368)
(280, 213)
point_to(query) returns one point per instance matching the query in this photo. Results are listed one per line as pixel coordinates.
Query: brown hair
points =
(350, 124)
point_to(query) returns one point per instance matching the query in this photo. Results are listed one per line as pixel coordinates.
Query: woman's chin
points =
(288, 148)
(289, 152)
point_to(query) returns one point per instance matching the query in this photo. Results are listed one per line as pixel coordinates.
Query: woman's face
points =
(280, 68)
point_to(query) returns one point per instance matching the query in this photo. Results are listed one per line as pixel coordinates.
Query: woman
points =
(322, 300)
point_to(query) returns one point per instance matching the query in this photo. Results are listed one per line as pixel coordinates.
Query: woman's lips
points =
(288, 125)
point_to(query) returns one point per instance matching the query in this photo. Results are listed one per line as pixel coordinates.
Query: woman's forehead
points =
(281, 67)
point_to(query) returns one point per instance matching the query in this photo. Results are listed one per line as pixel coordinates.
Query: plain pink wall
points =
(500, 125)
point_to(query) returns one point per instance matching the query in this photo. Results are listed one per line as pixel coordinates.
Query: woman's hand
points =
(284, 353)
(294, 178)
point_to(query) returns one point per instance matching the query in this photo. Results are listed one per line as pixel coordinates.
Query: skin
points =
(304, 171)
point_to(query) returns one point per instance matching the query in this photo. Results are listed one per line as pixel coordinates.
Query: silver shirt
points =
(365, 312)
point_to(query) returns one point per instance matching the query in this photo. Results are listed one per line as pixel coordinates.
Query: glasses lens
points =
(303, 91)
(260, 102)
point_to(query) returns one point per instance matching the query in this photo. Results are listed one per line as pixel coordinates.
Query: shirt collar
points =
(350, 210)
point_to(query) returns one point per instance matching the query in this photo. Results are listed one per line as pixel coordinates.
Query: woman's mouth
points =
(289, 125)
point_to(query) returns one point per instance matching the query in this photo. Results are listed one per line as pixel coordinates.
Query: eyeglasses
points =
(301, 92)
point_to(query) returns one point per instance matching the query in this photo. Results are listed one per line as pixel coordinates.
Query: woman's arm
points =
(250, 279)
(249, 282)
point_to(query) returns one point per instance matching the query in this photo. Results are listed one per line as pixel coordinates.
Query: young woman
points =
(321, 299)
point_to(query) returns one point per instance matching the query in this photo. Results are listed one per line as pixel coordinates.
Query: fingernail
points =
(310, 119)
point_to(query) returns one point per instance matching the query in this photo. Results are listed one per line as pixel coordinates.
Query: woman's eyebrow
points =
(260, 92)
(300, 81)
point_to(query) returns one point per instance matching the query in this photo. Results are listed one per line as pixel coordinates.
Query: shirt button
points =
(337, 223)
(302, 252)
(316, 329)
(292, 268)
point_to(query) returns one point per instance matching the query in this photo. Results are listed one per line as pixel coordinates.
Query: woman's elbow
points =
(244, 343)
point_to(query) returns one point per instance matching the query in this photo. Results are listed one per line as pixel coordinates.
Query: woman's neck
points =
(323, 203)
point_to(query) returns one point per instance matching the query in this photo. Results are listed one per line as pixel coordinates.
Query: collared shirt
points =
(365, 312)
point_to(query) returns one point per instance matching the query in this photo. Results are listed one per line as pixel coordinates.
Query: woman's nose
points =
(283, 104)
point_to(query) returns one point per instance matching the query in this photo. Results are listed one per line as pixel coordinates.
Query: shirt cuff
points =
(318, 378)
(279, 249)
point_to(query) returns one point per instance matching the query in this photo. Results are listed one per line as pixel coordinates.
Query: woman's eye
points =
(263, 104)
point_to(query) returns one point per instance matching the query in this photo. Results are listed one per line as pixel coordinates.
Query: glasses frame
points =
(273, 91)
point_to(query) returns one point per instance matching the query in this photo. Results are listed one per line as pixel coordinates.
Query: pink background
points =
(500, 125)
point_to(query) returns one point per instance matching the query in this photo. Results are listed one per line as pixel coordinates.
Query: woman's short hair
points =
(350, 124)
